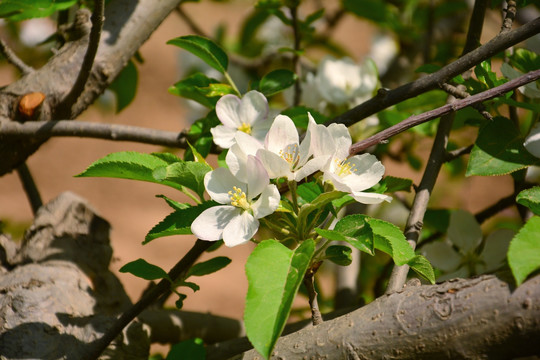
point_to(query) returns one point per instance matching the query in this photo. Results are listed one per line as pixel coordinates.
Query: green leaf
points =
(209, 266)
(308, 191)
(195, 87)
(389, 239)
(180, 302)
(499, 150)
(131, 165)
(276, 81)
(274, 275)
(192, 349)
(145, 270)
(178, 222)
(318, 204)
(184, 173)
(125, 86)
(17, 10)
(205, 49)
(530, 198)
(422, 267)
(355, 232)
(190, 285)
(393, 184)
(524, 250)
(173, 203)
(339, 254)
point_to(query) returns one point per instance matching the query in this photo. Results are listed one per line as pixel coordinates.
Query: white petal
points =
(210, 223)
(236, 158)
(260, 129)
(532, 141)
(464, 231)
(368, 171)
(370, 198)
(310, 167)
(267, 203)
(219, 182)
(342, 139)
(253, 107)
(274, 164)
(257, 177)
(223, 136)
(240, 229)
(282, 133)
(227, 111)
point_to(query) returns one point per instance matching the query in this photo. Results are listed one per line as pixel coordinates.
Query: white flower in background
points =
(532, 141)
(248, 115)
(352, 175)
(465, 235)
(343, 82)
(236, 220)
(35, 31)
(384, 49)
(283, 155)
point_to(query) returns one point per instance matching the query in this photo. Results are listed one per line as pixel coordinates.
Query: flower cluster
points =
(255, 157)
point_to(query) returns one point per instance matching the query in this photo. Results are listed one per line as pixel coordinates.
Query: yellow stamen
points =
(344, 168)
(245, 128)
(238, 198)
(291, 155)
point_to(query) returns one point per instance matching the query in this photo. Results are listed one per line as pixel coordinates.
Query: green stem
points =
(231, 82)
(292, 188)
(191, 195)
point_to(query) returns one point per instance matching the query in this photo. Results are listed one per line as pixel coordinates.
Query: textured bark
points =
(127, 25)
(479, 318)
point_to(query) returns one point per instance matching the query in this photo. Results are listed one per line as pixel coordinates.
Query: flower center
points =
(344, 168)
(238, 198)
(291, 154)
(245, 128)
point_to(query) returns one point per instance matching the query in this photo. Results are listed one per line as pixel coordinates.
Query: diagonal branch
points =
(386, 98)
(13, 59)
(443, 110)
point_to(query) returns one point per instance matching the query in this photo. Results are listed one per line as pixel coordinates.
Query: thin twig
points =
(196, 29)
(462, 94)
(30, 187)
(13, 59)
(510, 15)
(454, 154)
(413, 227)
(88, 61)
(69, 128)
(388, 98)
(443, 110)
(97, 347)
(316, 317)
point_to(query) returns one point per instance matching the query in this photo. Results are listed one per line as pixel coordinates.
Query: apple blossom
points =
(532, 141)
(283, 155)
(236, 220)
(248, 114)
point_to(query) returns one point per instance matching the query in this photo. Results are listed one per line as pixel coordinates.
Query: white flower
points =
(236, 221)
(283, 155)
(530, 90)
(465, 234)
(352, 175)
(342, 81)
(248, 115)
(532, 141)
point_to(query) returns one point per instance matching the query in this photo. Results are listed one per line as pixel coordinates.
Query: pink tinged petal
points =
(209, 225)
(274, 164)
(370, 198)
(219, 182)
(282, 133)
(257, 177)
(267, 203)
(227, 111)
(223, 136)
(253, 108)
(240, 229)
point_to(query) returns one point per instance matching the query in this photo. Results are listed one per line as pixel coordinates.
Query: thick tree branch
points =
(428, 322)
(386, 98)
(443, 110)
(47, 129)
